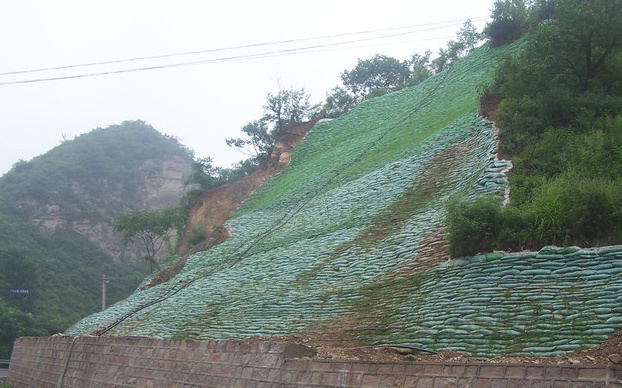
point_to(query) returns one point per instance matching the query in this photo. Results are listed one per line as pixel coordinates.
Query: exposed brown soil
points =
(489, 106)
(610, 352)
(216, 206)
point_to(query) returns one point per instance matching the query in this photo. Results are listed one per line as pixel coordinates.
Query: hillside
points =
(383, 161)
(56, 215)
(348, 244)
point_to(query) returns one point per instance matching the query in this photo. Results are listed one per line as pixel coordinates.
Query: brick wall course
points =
(144, 362)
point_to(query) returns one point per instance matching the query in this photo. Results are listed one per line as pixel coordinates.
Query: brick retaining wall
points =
(146, 362)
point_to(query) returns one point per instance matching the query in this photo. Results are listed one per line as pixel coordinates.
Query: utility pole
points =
(104, 282)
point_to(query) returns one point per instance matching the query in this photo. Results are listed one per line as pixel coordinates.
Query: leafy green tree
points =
(284, 109)
(561, 122)
(420, 68)
(467, 39)
(150, 228)
(257, 139)
(338, 101)
(377, 75)
(509, 22)
(568, 73)
(582, 37)
(239, 170)
(541, 11)
(374, 77)
(19, 271)
(15, 323)
(203, 175)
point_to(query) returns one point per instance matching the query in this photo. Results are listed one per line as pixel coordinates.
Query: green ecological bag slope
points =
(356, 216)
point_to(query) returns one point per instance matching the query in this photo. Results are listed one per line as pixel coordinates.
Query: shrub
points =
(564, 211)
(484, 225)
(197, 234)
(571, 210)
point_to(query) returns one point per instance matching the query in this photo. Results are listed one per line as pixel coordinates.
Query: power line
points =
(445, 24)
(275, 53)
(261, 56)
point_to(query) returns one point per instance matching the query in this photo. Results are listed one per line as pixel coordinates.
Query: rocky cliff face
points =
(84, 184)
(159, 184)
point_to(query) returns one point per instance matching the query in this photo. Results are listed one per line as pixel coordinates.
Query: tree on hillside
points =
(203, 174)
(257, 139)
(583, 36)
(18, 271)
(420, 68)
(15, 323)
(377, 75)
(284, 109)
(566, 60)
(382, 74)
(467, 39)
(560, 120)
(540, 11)
(338, 101)
(150, 228)
(509, 22)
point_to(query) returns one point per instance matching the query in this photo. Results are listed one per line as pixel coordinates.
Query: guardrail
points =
(5, 362)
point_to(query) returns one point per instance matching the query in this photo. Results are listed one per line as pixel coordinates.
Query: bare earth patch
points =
(217, 206)
(610, 352)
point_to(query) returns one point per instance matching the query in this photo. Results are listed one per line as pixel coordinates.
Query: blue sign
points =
(19, 291)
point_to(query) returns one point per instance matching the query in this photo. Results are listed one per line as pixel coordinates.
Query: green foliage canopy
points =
(283, 109)
(467, 39)
(509, 22)
(150, 228)
(379, 73)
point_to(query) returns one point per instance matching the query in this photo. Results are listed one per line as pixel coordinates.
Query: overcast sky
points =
(201, 104)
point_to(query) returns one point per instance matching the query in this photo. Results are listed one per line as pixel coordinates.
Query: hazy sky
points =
(202, 104)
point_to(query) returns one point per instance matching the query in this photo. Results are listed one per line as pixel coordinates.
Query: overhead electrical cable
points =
(212, 60)
(341, 48)
(445, 24)
(274, 53)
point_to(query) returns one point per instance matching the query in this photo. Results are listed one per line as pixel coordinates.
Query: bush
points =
(484, 225)
(197, 234)
(571, 210)
(564, 211)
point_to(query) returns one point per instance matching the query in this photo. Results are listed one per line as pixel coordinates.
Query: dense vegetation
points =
(561, 123)
(93, 177)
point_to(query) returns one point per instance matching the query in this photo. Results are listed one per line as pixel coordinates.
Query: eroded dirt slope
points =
(216, 206)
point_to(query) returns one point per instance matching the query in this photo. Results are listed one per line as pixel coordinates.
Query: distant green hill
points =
(56, 215)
